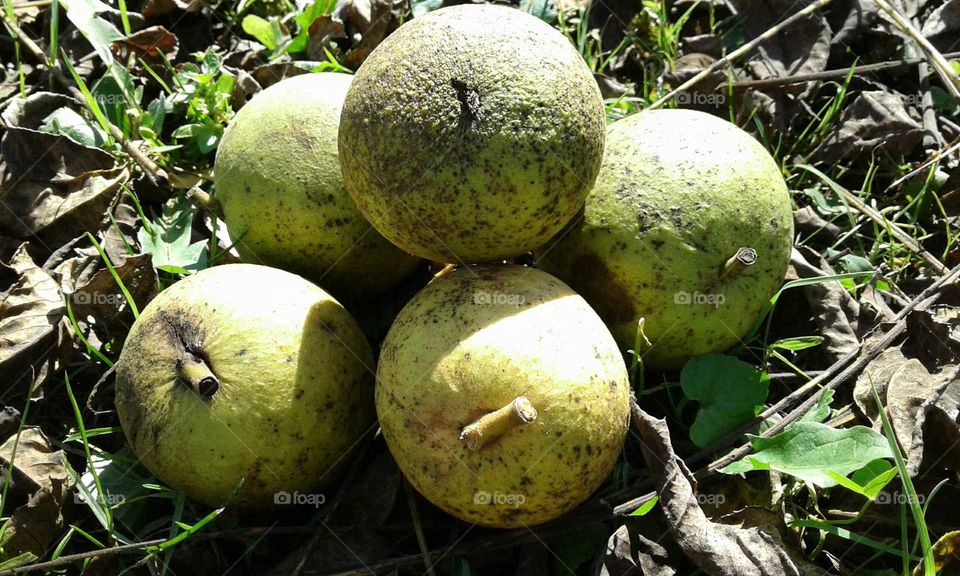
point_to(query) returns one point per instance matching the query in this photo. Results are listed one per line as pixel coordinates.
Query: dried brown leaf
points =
(801, 48)
(630, 552)
(911, 394)
(836, 311)
(875, 120)
(717, 549)
(41, 473)
(31, 310)
(151, 44)
(53, 189)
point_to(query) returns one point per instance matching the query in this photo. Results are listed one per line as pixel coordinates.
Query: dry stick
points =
(950, 78)
(932, 140)
(895, 230)
(64, 560)
(418, 527)
(942, 153)
(838, 373)
(739, 52)
(139, 546)
(835, 73)
(152, 170)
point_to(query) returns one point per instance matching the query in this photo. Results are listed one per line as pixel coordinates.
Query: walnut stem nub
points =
(744, 258)
(194, 372)
(491, 426)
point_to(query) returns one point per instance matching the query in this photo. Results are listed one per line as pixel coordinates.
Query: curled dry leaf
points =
(946, 554)
(53, 188)
(367, 24)
(40, 473)
(876, 120)
(717, 549)
(935, 332)
(800, 49)
(100, 305)
(814, 228)
(836, 310)
(943, 25)
(155, 8)
(630, 552)
(921, 405)
(152, 44)
(31, 334)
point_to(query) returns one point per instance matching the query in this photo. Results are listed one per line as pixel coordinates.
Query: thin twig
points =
(739, 52)
(892, 227)
(152, 170)
(946, 72)
(942, 153)
(418, 527)
(834, 73)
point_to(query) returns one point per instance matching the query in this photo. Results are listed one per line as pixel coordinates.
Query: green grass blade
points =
(929, 564)
(116, 277)
(186, 534)
(76, 330)
(13, 457)
(101, 495)
(54, 29)
(847, 535)
(88, 97)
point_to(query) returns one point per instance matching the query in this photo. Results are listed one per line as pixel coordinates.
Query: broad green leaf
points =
(69, 123)
(420, 7)
(869, 480)
(261, 29)
(810, 451)
(112, 93)
(821, 411)
(156, 113)
(170, 243)
(545, 10)
(854, 263)
(304, 19)
(99, 32)
(204, 136)
(730, 393)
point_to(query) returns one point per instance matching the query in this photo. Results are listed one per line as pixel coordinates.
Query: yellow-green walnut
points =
(502, 396)
(243, 376)
(472, 134)
(277, 177)
(688, 227)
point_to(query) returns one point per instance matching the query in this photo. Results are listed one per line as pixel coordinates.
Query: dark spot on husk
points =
(597, 284)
